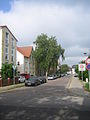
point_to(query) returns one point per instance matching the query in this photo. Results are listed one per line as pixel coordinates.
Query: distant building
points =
(7, 46)
(25, 60)
(73, 69)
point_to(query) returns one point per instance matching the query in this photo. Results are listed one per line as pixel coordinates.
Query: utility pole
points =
(14, 67)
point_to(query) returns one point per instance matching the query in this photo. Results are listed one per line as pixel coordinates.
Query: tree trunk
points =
(46, 77)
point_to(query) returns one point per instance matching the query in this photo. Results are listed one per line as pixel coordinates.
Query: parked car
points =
(50, 77)
(21, 79)
(42, 79)
(55, 76)
(25, 75)
(62, 75)
(32, 81)
(75, 75)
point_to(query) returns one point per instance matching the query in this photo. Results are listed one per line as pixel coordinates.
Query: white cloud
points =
(71, 25)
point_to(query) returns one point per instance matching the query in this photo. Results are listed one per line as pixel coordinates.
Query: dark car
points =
(42, 79)
(32, 81)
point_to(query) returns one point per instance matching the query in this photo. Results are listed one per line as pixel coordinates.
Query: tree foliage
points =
(76, 68)
(85, 73)
(47, 52)
(6, 71)
(64, 68)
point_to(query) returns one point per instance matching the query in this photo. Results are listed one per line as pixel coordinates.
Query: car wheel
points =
(39, 83)
(35, 84)
(25, 84)
(19, 81)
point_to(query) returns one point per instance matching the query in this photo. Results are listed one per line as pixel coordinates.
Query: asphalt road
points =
(49, 101)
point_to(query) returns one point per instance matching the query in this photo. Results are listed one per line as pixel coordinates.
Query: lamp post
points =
(14, 67)
(18, 63)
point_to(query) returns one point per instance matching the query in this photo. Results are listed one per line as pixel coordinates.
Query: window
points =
(12, 43)
(6, 57)
(6, 50)
(12, 59)
(12, 51)
(7, 36)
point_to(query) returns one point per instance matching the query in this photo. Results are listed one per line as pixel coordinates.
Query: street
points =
(49, 101)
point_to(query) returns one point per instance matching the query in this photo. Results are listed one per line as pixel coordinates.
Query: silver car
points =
(21, 79)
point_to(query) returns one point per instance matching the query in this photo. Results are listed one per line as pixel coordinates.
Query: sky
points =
(68, 20)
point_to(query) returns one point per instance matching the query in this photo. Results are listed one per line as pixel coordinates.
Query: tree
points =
(76, 68)
(85, 73)
(47, 52)
(6, 71)
(64, 68)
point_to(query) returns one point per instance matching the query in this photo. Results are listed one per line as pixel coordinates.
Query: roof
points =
(26, 51)
(4, 26)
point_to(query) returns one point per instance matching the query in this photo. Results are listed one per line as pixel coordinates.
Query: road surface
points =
(49, 101)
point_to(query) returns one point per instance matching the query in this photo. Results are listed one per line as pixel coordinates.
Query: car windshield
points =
(32, 78)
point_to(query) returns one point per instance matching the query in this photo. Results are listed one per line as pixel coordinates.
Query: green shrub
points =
(87, 86)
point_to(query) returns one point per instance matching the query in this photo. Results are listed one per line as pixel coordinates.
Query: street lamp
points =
(14, 67)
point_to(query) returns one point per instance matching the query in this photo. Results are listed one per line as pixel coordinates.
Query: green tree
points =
(6, 71)
(47, 52)
(85, 73)
(64, 68)
(76, 68)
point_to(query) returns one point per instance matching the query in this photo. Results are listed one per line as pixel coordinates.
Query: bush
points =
(87, 86)
(6, 71)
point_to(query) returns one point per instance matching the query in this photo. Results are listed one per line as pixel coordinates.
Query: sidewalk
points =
(76, 87)
(11, 87)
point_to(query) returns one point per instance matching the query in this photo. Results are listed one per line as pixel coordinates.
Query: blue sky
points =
(68, 20)
(5, 5)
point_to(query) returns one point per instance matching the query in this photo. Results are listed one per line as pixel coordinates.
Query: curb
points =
(11, 87)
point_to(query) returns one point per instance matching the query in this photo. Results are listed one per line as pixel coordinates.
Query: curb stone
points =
(11, 87)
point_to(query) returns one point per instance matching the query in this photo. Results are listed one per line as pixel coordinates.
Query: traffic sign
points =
(88, 61)
(82, 67)
(88, 67)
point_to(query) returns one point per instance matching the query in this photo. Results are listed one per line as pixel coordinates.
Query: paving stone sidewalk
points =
(11, 87)
(77, 87)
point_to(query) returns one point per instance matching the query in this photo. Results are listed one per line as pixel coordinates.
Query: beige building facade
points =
(7, 46)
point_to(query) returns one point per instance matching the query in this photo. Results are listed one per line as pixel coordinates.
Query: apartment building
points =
(7, 46)
(25, 60)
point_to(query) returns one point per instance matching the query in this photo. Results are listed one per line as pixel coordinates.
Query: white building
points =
(73, 69)
(25, 60)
